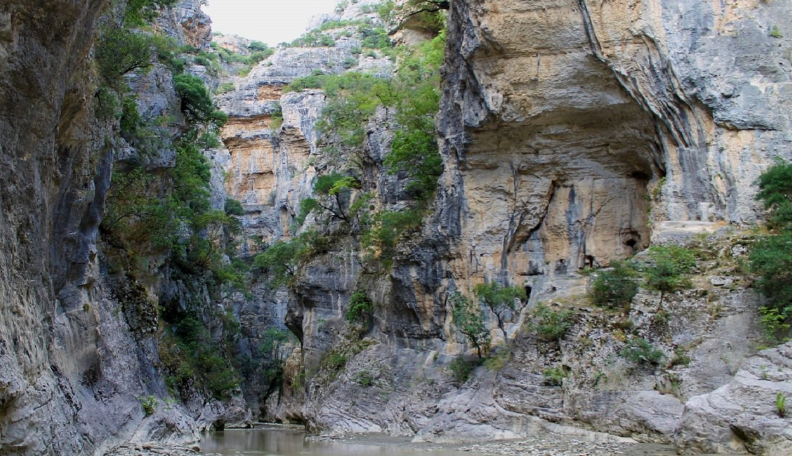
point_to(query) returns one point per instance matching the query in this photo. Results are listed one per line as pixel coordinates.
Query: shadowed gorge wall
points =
(78, 345)
(54, 174)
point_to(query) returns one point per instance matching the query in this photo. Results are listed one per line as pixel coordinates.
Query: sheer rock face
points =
(563, 119)
(271, 165)
(72, 365)
(563, 123)
(55, 173)
(270, 174)
(187, 23)
(54, 176)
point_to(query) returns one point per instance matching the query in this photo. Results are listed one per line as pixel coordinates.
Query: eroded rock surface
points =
(573, 134)
(742, 415)
(75, 360)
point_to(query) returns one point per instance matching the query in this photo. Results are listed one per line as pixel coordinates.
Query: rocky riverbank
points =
(548, 444)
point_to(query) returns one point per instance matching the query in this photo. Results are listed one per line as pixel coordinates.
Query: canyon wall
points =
(54, 171)
(78, 343)
(572, 121)
(573, 134)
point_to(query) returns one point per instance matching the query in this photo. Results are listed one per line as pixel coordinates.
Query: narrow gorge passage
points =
(419, 227)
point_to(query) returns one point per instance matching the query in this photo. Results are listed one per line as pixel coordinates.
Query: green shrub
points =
(498, 360)
(551, 324)
(349, 62)
(554, 376)
(384, 231)
(202, 61)
(131, 121)
(414, 147)
(640, 351)
(221, 380)
(120, 51)
(107, 105)
(234, 207)
(313, 38)
(780, 403)
(313, 81)
(256, 57)
(775, 193)
(306, 207)
(136, 215)
(335, 361)
(359, 306)
(329, 187)
(191, 177)
(668, 269)
(500, 300)
(462, 368)
(168, 53)
(469, 320)
(149, 404)
(334, 183)
(225, 87)
(376, 37)
(364, 378)
(279, 261)
(197, 103)
(209, 140)
(258, 46)
(189, 353)
(615, 288)
(680, 358)
(771, 256)
(354, 97)
(141, 12)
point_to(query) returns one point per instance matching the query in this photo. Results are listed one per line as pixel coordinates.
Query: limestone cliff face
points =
(563, 120)
(573, 134)
(73, 363)
(53, 187)
(272, 157)
(187, 23)
(565, 123)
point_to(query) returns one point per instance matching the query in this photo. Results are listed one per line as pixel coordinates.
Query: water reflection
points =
(286, 441)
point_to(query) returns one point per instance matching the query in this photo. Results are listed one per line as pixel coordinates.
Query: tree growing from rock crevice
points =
(470, 322)
(501, 300)
(668, 269)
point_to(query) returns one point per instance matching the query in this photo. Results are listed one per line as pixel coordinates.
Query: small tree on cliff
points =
(615, 288)
(275, 346)
(668, 269)
(501, 300)
(470, 322)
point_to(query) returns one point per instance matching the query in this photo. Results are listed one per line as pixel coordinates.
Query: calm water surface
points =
(276, 440)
